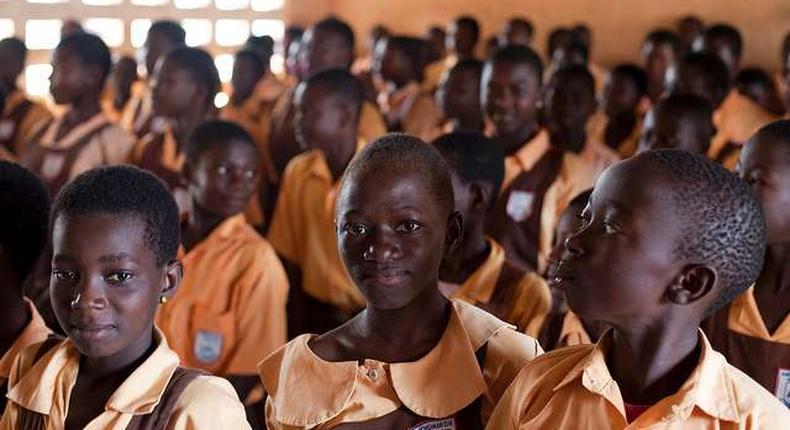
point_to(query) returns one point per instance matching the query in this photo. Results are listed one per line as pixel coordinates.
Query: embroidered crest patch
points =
(783, 386)
(445, 424)
(519, 205)
(208, 346)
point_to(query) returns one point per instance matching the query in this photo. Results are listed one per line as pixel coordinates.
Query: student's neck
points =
(466, 124)
(569, 138)
(117, 366)
(343, 151)
(777, 267)
(184, 125)
(13, 320)
(650, 363)
(515, 141)
(415, 329)
(82, 110)
(199, 225)
(470, 255)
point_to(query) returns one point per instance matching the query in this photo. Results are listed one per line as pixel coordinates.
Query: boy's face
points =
(389, 64)
(765, 165)
(460, 39)
(156, 46)
(105, 284)
(224, 178)
(664, 130)
(392, 235)
(319, 118)
(458, 95)
(509, 93)
(569, 222)
(620, 95)
(657, 58)
(70, 78)
(569, 102)
(175, 90)
(322, 50)
(618, 266)
(246, 75)
(514, 35)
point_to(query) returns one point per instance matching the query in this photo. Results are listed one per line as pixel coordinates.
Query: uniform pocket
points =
(213, 338)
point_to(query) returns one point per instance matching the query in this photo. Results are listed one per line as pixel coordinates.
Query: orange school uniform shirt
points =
(20, 117)
(44, 387)
(450, 385)
(739, 332)
(575, 175)
(523, 300)
(94, 143)
(736, 121)
(229, 312)
(34, 332)
(303, 231)
(572, 388)
(411, 110)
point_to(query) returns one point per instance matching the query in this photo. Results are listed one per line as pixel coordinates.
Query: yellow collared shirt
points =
(36, 331)
(572, 388)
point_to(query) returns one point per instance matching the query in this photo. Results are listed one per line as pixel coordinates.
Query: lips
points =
(386, 277)
(564, 274)
(92, 331)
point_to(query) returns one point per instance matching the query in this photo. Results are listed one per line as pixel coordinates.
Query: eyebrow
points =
(620, 207)
(114, 258)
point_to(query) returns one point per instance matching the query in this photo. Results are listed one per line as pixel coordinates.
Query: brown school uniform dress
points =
(736, 121)
(158, 395)
(19, 119)
(572, 388)
(511, 294)
(411, 110)
(160, 154)
(596, 127)
(540, 181)
(454, 386)
(94, 143)
(138, 114)
(738, 332)
(34, 332)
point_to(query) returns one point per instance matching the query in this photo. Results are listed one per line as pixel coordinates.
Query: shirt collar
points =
(479, 287)
(98, 120)
(529, 153)
(441, 383)
(35, 331)
(744, 318)
(573, 331)
(709, 387)
(138, 394)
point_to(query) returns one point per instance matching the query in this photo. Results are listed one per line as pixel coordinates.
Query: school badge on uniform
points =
(520, 205)
(783, 386)
(7, 128)
(208, 346)
(445, 424)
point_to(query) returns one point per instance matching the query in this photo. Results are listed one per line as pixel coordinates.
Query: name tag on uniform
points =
(445, 424)
(7, 128)
(208, 346)
(783, 386)
(520, 205)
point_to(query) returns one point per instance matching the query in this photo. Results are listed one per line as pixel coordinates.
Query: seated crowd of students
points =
(415, 239)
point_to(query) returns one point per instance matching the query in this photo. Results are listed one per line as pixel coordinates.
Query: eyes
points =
(226, 171)
(609, 223)
(115, 278)
(357, 229)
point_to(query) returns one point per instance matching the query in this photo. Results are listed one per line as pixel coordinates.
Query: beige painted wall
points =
(618, 25)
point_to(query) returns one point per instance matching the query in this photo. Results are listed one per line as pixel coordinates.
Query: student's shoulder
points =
(301, 165)
(754, 403)
(502, 340)
(209, 402)
(549, 369)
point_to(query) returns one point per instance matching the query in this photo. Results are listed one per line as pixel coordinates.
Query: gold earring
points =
(162, 299)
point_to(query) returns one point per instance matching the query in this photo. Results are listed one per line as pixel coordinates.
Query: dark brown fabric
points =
(729, 150)
(758, 358)
(36, 154)
(16, 116)
(521, 240)
(504, 292)
(29, 420)
(151, 160)
(549, 337)
(160, 416)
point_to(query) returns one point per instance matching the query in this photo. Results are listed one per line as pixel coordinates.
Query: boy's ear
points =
(480, 196)
(174, 273)
(455, 232)
(694, 283)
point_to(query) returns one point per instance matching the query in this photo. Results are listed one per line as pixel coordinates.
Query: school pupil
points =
(679, 121)
(411, 357)
(229, 312)
(660, 49)
(617, 122)
(458, 98)
(83, 137)
(672, 239)
(761, 88)
(115, 236)
(24, 214)
(478, 271)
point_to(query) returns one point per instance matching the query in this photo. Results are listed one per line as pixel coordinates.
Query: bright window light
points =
(102, 2)
(42, 33)
(150, 2)
(277, 64)
(266, 5)
(191, 4)
(198, 31)
(7, 28)
(37, 79)
(224, 63)
(221, 100)
(109, 29)
(47, 1)
(139, 31)
(269, 27)
(232, 32)
(232, 4)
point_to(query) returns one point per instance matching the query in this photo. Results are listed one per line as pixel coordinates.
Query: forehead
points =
(767, 152)
(228, 149)
(383, 187)
(617, 189)
(99, 230)
(509, 71)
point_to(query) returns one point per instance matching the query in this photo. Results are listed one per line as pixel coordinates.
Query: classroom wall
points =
(618, 25)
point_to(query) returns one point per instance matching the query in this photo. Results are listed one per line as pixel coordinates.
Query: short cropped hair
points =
(213, 133)
(473, 157)
(518, 55)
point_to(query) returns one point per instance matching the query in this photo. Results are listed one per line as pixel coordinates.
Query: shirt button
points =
(373, 374)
